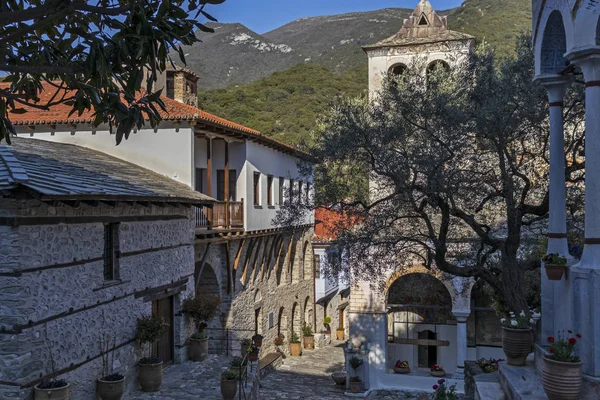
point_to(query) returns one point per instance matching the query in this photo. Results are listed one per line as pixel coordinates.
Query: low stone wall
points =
(472, 369)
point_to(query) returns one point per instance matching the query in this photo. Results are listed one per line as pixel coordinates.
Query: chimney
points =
(182, 86)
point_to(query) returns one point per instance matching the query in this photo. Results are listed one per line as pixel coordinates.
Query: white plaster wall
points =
(168, 151)
(267, 161)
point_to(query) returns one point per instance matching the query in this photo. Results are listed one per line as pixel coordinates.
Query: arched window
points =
(554, 45)
(397, 70)
(437, 65)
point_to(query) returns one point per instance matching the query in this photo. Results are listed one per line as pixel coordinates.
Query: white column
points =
(461, 340)
(557, 224)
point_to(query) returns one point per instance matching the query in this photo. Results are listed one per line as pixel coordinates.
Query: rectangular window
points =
(281, 185)
(270, 190)
(221, 184)
(271, 320)
(232, 185)
(299, 191)
(291, 195)
(307, 192)
(317, 266)
(200, 178)
(257, 188)
(111, 251)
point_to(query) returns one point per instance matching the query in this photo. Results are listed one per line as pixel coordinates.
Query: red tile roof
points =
(328, 223)
(58, 114)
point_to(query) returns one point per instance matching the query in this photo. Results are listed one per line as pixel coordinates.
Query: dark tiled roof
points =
(68, 172)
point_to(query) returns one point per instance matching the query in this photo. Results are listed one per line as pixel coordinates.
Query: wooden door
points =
(341, 319)
(165, 346)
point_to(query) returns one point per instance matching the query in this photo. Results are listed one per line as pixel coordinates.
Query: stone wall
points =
(257, 276)
(54, 299)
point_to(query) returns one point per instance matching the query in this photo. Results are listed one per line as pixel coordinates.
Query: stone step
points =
(521, 382)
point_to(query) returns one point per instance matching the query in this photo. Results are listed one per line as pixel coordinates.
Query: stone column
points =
(585, 276)
(461, 340)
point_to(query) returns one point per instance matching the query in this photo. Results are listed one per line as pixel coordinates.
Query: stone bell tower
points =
(423, 34)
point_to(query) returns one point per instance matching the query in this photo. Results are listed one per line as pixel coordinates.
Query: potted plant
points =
(339, 333)
(308, 337)
(517, 337)
(244, 344)
(279, 340)
(295, 348)
(111, 385)
(561, 372)
(355, 381)
(52, 388)
(554, 264)
(490, 365)
(201, 309)
(252, 351)
(401, 367)
(443, 392)
(229, 379)
(257, 339)
(327, 331)
(150, 369)
(437, 371)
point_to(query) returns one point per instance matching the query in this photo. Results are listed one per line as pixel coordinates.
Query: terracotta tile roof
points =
(328, 224)
(68, 172)
(58, 114)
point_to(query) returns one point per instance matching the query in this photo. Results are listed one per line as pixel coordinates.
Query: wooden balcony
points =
(223, 215)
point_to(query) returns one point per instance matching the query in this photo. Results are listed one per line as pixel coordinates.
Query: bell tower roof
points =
(422, 26)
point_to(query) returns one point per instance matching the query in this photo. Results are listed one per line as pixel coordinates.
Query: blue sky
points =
(265, 15)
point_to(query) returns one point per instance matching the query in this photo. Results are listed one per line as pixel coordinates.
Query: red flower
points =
(572, 341)
(570, 331)
(551, 350)
(435, 387)
(441, 381)
(578, 336)
(551, 339)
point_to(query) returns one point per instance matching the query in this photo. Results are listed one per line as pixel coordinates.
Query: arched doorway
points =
(554, 45)
(206, 281)
(308, 312)
(282, 325)
(420, 322)
(297, 320)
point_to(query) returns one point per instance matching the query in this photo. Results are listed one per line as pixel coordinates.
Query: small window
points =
(281, 185)
(423, 20)
(291, 195)
(307, 192)
(271, 320)
(111, 252)
(221, 184)
(270, 190)
(257, 188)
(200, 179)
(317, 266)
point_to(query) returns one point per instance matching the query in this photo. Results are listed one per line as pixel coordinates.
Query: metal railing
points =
(223, 215)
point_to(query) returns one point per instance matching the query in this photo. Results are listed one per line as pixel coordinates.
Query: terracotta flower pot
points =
(339, 335)
(554, 272)
(309, 342)
(61, 393)
(438, 374)
(229, 389)
(111, 390)
(252, 356)
(399, 370)
(516, 344)
(150, 376)
(561, 380)
(295, 349)
(356, 387)
(198, 349)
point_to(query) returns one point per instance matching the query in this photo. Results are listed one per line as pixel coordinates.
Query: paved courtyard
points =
(306, 377)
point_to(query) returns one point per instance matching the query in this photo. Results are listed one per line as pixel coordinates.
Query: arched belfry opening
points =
(421, 326)
(437, 65)
(423, 20)
(398, 70)
(554, 45)
(598, 32)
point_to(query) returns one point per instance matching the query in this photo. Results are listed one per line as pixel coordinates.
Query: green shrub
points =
(307, 330)
(201, 309)
(326, 320)
(229, 375)
(295, 338)
(151, 328)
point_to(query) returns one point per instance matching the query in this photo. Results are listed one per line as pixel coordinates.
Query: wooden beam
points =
(200, 267)
(422, 342)
(255, 259)
(228, 263)
(248, 256)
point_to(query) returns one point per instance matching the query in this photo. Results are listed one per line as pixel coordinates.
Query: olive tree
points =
(457, 169)
(99, 50)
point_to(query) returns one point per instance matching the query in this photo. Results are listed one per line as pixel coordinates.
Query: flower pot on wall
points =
(61, 393)
(111, 390)
(339, 334)
(400, 370)
(309, 342)
(516, 344)
(150, 376)
(295, 349)
(438, 374)
(561, 380)
(198, 349)
(554, 272)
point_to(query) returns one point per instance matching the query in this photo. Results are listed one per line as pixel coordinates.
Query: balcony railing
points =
(223, 215)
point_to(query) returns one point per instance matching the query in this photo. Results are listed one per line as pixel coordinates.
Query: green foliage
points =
(355, 362)
(307, 330)
(295, 338)
(444, 392)
(522, 320)
(287, 104)
(555, 259)
(230, 375)
(327, 320)
(203, 308)
(236, 362)
(151, 328)
(563, 349)
(355, 379)
(97, 50)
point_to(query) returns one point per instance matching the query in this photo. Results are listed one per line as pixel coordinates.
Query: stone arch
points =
(294, 267)
(282, 326)
(554, 45)
(296, 320)
(397, 69)
(308, 312)
(420, 270)
(436, 65)
(431, 291)
(598, 32)
(257, 296)
(207, 281)
(307, 260)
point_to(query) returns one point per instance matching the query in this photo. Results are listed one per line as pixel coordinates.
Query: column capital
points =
(588, 59)
(556, 86)
(461, 316)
